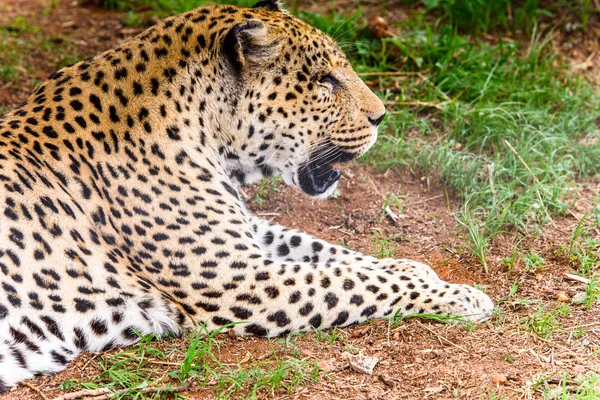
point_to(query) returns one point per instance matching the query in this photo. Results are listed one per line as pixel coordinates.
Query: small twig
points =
(424, 200)
(35, 389)
(582, 326)
(578, 218)
(573, 277)
(89, 361)
(105, 393)
(376, 189)
(386, 381)
(89, 393)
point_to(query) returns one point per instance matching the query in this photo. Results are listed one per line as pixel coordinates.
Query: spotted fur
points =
(119, 205)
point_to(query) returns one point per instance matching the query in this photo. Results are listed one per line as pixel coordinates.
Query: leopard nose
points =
(376, 120)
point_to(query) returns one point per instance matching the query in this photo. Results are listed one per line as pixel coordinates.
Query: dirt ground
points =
(418, 359)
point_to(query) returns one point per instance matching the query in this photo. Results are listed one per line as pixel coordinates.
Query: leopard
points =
(120, 206)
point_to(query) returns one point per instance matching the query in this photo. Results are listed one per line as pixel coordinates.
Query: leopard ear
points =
(271, 5)
(249, 43)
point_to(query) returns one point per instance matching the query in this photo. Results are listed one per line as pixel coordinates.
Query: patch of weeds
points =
(10, 57)
(283, 374)
(133, 19)
(494, 395)
(330, 336)
(511, 260)
(20, 25)
(475, 16)
(580, 387)
(498, 316)
(509, 358)
(533, 262)
(130, 370)
(134, 368)
(470, 326)
(391, 200)
(287, 341)
(50, 6)
(67, 61)
(592, 293)
(583, 249)
(68, 385)
(351, 349)
(122, 5)
(578, 332)
(266, 188)
(543, 322)
(383, 246)
(480, 287)
(478, 238)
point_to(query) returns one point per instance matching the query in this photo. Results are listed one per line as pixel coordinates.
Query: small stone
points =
(579, 297)
(363, 364)
(499, 379)
(326, 366)
(578, 369)
(562, 297)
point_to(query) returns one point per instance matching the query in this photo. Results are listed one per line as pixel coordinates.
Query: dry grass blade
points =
(35, 389)
(388, 73)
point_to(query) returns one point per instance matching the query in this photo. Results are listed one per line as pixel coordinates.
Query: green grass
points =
(545, 322)
(383, 246)
(10, 59)
(19, 39)
(141, 366)
(474, 16)
(499, 124)
(533, 262)
(266, 188)
(592, 293)
(580, 387)
(583, 249)
(163, 8)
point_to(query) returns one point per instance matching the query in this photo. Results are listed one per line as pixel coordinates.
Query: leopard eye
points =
(329, 80)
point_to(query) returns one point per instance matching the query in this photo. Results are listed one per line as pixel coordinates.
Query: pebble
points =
(563, 298)
(499, 379)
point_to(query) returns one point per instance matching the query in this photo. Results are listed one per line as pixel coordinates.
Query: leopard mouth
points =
(318, 175)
